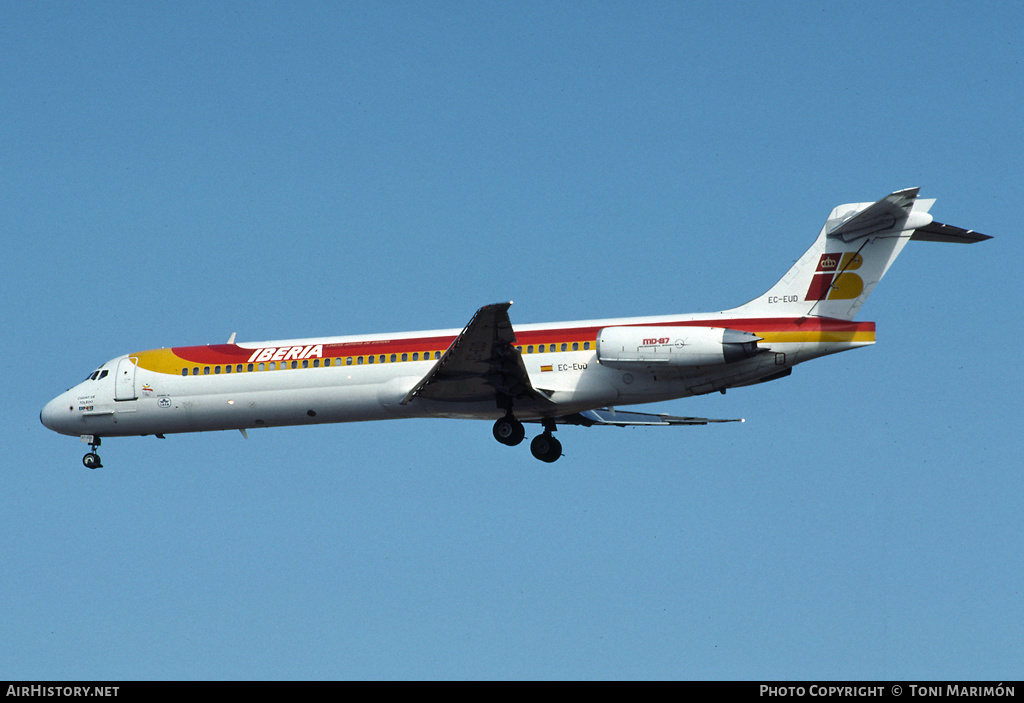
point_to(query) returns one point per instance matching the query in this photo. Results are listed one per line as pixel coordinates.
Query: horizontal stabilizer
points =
(604, 416)
(893, 212)
(938, 232)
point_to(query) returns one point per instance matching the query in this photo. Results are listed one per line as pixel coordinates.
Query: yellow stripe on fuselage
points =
(160, 361)
(818, 336)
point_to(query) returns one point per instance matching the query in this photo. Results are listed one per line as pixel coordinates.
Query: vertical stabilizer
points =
(854, 249)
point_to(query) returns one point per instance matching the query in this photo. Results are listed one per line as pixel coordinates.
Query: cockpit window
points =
(97, 375)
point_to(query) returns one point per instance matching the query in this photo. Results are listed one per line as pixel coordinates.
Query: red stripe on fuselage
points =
(234, 354)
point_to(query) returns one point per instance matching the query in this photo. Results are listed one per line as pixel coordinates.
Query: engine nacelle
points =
(647, 347)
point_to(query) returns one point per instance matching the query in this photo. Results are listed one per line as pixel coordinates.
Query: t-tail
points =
(856, 246)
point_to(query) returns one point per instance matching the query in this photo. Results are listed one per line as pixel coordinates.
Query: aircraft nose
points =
(56, 414)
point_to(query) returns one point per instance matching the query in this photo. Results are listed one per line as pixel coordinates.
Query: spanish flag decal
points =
(546, 367)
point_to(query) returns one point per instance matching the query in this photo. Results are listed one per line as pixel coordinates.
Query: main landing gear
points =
(545, 447)
(92, 459)
(510, 431)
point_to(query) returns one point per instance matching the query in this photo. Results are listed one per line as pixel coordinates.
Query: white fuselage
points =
(347, 379)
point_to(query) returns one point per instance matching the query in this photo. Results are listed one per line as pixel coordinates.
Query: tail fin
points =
(855, 248)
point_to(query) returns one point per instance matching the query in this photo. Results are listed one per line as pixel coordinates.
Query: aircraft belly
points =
(285, 407)
(171, 412)
(587, 392)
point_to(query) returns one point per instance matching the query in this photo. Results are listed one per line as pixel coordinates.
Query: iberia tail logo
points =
(827, 284)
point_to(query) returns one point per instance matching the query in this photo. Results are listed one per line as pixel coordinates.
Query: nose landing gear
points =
(92, 459)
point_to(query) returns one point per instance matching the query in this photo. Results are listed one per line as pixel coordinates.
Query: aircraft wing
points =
(618, 418)
(482, 363)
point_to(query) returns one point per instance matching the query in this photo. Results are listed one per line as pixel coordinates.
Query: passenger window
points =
(359, 359)
(195, 370)
(575, 346)
(239, 368)
(586, 345)
(415, 356)
(529, 349)
(348, 361)
(295, 364)
(249, 367)
(261, 366)
(184, 372)
(405, 357)
(564, 346)
(227, 369)
(216, 369)
(316, 363)
(305, 363)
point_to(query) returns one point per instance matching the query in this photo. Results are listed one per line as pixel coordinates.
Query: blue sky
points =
(175, 172)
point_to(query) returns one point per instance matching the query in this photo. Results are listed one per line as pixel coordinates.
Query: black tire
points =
(92, 461)
(546, 448)
(509, 431)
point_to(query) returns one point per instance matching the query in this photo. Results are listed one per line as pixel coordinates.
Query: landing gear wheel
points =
(509, 431)
(92, 459)
(546, 448)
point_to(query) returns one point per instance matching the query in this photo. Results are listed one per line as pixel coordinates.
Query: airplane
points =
(566, 373)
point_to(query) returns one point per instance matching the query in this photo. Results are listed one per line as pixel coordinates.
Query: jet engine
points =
(660, 347)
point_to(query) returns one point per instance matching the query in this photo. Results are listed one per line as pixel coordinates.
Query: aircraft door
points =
(124, 379)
